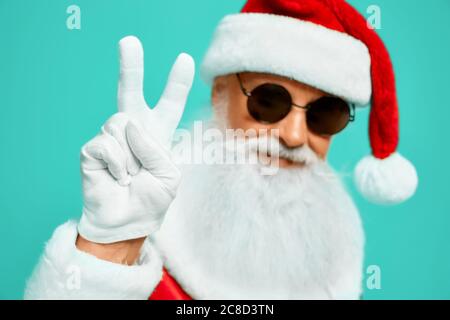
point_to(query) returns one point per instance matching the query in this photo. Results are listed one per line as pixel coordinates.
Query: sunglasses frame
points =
(247, 93)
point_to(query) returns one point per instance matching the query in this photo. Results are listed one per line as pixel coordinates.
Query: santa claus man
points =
(226, 231)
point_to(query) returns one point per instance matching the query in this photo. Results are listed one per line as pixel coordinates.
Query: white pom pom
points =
(388, 181)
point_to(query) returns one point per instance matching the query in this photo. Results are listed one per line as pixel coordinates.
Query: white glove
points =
(129, 179)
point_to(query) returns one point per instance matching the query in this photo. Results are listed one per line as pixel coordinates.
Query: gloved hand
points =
(129, 178)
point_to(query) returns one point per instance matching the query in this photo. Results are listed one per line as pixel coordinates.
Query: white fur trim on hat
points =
(309, 53)
(386, 181)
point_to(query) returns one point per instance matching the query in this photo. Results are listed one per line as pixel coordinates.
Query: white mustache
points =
(273, 147)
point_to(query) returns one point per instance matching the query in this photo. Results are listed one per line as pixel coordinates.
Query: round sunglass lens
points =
(269, 103)
(328, 115)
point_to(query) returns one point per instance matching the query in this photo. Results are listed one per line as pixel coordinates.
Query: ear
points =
(219, 89)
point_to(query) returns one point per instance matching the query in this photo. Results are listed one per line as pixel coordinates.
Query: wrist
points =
(122, 252)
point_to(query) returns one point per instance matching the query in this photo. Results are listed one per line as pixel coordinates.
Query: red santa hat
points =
(326, 44)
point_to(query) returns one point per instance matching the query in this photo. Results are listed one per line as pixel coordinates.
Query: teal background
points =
(57, 87)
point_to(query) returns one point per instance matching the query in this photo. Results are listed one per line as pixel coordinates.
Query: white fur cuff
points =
(64, 272)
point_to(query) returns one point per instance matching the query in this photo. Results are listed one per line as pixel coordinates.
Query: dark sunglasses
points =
(270, 103)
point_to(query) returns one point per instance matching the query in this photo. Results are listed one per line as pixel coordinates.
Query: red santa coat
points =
(168, 289)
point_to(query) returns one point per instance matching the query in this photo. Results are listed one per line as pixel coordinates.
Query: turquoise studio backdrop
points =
(57, 87)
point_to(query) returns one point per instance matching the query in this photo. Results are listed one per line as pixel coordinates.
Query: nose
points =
(293, 131)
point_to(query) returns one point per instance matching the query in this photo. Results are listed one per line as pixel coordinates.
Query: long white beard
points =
(232, 233)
